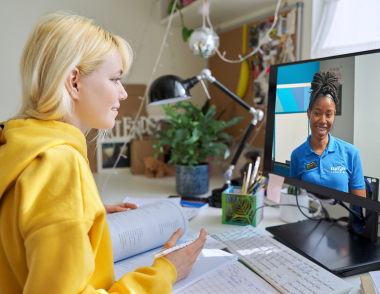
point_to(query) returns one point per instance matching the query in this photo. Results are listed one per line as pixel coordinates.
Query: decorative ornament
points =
(204, 42)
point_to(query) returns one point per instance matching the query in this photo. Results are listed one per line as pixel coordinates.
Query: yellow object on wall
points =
(244, 69)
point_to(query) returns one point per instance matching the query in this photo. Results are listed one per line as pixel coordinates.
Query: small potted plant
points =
(193, 136)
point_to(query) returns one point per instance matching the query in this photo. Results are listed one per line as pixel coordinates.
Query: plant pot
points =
(192, 181)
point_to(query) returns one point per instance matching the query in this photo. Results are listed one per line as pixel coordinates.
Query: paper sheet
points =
(142, 201)
(211, 243)
(291, 22)
(191, 212)
(231, 279)
(149, 226)
(376, 280)
(274, 187)
(209, 261)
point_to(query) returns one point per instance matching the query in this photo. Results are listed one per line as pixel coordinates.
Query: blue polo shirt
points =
(339, 167)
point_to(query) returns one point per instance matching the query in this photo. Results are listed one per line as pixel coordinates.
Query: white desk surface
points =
(126, 184)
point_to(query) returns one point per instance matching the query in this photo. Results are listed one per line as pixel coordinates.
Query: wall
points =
(343, 124)
(136, 21)
(367, 105)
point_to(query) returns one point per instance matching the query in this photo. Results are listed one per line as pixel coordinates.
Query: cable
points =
(294, 205)
(311, 218)
(360, 217)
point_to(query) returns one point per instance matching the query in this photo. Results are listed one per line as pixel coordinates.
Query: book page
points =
(149, 226)
(142, 201)
(208, 261)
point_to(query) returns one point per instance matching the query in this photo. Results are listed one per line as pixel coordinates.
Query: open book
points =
(136, 234)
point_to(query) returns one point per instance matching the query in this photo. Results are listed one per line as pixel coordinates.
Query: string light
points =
(134, 124)
(164, 44)
(258, 46)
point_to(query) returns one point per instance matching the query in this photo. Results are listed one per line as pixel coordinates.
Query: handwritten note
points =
(274, 187)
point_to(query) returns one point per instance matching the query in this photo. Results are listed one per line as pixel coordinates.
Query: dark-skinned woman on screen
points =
(324, 159)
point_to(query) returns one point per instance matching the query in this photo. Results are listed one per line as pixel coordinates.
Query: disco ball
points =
(203, 42)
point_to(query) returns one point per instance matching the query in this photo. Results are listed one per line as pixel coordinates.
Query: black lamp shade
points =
(168, 89)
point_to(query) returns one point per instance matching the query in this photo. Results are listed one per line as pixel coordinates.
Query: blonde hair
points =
(60, 41)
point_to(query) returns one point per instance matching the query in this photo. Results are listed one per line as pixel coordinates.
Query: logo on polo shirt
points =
(338, 170)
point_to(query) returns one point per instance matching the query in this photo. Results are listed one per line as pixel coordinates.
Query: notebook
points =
(136, 234)
(209, 261)
(231, 279)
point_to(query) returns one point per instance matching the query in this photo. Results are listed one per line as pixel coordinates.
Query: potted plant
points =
(193, 136)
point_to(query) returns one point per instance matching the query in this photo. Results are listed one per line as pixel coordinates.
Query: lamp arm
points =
(257, 115)
(206, 75)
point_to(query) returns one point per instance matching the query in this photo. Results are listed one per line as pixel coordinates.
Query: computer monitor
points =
(353, 153)
(357, 122)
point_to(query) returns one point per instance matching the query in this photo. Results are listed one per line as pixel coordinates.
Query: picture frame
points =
(108, 151)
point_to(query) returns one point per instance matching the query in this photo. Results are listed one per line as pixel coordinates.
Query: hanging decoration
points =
(204, 42)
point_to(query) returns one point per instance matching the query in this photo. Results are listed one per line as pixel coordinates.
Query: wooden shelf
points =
(221, 11)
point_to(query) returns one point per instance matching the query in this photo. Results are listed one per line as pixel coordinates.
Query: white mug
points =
(291, 214)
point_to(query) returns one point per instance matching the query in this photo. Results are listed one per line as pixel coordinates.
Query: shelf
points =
(221, 11)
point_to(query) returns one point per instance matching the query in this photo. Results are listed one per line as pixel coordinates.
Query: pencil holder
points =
(238, 209)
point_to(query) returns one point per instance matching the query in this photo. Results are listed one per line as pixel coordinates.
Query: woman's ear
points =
(308, 113)
(71, 82)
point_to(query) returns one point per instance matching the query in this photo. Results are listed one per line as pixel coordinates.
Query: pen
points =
(255, 170)
(163, 252)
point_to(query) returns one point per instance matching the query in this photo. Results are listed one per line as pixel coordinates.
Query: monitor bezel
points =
(268, 147)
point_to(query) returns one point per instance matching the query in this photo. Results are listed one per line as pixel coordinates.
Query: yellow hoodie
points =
(54, 236)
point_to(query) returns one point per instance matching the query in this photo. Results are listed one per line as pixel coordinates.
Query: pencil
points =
(243, 185)
(248, 179)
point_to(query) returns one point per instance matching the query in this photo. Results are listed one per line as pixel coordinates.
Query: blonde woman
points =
(54, 236)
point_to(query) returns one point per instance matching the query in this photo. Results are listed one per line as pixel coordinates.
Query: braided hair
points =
(324, 84)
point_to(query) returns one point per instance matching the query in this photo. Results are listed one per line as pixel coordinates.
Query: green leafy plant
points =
(186, 33)
(193, 135)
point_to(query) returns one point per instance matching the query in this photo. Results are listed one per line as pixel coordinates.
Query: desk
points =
(125, 184)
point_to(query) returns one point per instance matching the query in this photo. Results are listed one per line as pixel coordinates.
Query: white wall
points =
(291, 130)
(127, 18)
(343, 124)
(367, 105)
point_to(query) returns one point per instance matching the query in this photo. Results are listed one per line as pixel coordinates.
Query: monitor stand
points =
(338, 251)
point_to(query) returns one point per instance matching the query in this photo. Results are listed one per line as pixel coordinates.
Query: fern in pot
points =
(194, 136)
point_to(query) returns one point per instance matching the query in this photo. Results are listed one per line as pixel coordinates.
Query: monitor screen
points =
(327, 139)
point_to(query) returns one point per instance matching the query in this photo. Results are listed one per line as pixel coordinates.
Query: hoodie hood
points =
(22, 141)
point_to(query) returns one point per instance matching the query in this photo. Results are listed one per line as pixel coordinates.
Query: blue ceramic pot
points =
(192, 181)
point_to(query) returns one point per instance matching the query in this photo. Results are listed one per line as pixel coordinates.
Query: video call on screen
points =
(357, 119)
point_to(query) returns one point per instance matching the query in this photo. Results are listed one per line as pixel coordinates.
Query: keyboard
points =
(285, 269)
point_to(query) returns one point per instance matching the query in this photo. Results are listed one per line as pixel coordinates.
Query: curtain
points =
(347, 26)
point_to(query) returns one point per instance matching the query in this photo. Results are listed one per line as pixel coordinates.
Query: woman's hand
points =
(183, 259)
(119, 207)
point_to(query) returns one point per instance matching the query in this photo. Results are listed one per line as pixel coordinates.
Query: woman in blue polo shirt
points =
(323, 159)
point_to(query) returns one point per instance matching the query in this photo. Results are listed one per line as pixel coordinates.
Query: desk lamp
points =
(170, 88)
